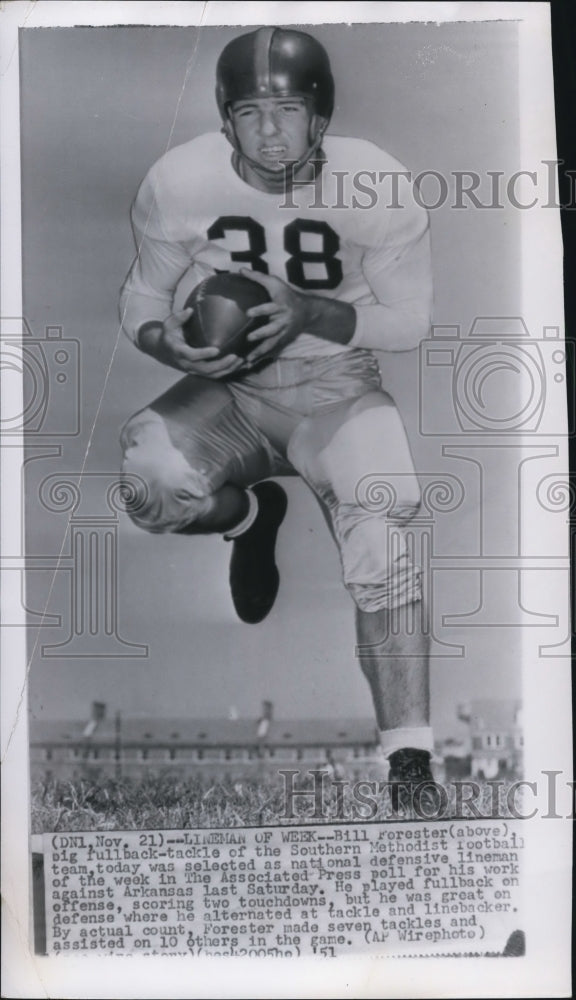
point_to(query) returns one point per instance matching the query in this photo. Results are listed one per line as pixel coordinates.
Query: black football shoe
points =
(254, 576)
(413, 792)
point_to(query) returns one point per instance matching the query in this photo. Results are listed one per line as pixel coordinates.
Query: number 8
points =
(299, 257)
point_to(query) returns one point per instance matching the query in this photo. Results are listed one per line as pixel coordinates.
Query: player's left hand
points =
(289, 313)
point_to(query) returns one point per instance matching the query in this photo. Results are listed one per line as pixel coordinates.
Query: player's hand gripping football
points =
(288, 312)
(166, 343)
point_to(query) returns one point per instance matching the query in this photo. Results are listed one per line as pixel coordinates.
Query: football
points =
(220, 303)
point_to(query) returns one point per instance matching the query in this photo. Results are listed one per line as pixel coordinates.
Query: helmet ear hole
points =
(318, 126)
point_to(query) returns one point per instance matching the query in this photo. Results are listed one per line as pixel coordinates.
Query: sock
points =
(415, 737)
(248, 521)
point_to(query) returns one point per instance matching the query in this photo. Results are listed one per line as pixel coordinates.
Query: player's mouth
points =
(273, 154)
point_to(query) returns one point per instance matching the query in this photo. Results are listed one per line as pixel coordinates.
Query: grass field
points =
(172, 802)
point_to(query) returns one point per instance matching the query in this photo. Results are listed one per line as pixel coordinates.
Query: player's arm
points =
(399, 272)
(148, 293)
(290, 313)
(165, 342)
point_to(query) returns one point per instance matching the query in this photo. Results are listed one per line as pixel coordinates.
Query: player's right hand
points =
(166, 343)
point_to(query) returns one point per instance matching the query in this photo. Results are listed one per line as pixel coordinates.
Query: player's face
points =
(272, 130)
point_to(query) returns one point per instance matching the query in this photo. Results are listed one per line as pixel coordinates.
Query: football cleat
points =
(413, 792)
(254, 576)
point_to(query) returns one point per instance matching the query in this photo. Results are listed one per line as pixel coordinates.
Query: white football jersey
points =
(357, 234)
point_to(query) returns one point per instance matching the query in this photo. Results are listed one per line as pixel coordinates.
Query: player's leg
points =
(393, 648)
(357, 460)
(192, 456)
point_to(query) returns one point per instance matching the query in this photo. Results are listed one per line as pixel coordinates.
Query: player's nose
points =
(268, 125)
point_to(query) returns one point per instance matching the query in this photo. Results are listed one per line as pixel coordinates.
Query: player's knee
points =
(394, 496)
(163, 492)
(160, 502)
(399, 589)
(407, 501)
(377, 567)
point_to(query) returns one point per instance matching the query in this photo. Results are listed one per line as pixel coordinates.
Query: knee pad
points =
(166, 493)
(357, 460)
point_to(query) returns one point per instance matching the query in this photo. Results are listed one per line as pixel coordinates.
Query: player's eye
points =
(245, 113)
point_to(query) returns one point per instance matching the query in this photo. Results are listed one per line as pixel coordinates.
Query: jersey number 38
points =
(297, 257)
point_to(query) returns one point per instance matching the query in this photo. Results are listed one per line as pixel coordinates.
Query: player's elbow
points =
(422, 324)
(416, 322)
(398, 327)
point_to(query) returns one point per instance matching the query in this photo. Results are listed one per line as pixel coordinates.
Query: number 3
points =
(293, 246)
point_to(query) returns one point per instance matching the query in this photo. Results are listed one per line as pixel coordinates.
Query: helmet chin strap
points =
(277, 180)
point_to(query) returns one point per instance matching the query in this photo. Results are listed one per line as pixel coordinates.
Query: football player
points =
(274, 197)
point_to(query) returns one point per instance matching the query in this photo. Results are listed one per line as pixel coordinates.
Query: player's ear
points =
(318, 126)
(228, 130)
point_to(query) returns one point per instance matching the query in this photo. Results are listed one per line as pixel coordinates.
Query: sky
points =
(99, 106)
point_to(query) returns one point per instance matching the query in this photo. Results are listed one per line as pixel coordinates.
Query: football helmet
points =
(276, 62)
